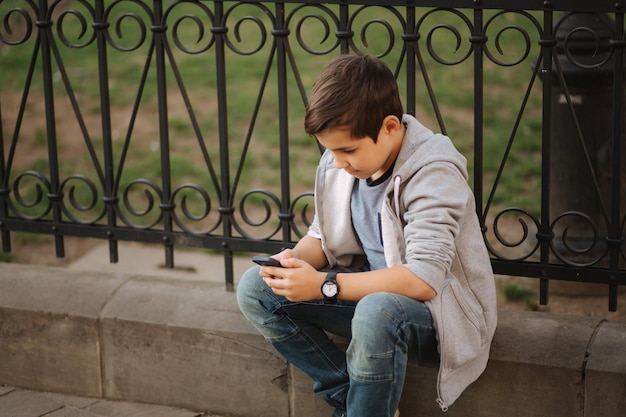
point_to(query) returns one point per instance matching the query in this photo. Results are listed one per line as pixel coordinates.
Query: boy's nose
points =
(340, 164)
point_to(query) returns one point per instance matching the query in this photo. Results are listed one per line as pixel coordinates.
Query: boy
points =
(394, 259)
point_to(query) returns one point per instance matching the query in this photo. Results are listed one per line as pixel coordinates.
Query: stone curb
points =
(183, 343)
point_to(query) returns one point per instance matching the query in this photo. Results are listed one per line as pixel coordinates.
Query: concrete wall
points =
(184, 343)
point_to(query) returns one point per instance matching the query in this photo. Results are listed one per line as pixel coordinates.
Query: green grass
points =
(518, 293)
(453, 86)
(6, 257)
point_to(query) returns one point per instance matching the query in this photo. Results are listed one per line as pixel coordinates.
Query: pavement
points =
(136, 258)
(15, 402)
(202, 355)
(190, 264)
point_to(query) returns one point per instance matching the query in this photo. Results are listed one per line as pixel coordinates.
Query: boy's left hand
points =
(296, 281)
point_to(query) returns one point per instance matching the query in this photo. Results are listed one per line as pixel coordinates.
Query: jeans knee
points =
(373, 312)
(248, 290)
(375, 336)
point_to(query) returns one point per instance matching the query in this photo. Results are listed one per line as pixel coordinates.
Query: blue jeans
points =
(384, 328)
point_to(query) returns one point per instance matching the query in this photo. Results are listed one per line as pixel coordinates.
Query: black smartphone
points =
(265, 261)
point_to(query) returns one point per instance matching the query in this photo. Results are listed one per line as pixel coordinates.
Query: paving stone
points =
(20, 403)
(71, 412)
(15, 402)
(105, 408)
(71, 400)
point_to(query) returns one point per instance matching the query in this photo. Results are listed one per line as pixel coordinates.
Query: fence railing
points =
(179, 123)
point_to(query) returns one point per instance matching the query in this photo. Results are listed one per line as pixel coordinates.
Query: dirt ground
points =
(564, 298)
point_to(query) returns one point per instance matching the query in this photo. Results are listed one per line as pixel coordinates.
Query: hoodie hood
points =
(424, 147)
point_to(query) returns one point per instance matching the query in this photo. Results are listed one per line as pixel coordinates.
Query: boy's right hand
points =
(265, 271)
(297, 280)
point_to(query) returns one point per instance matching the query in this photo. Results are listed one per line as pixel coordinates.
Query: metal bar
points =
(109, 197)
(226, 206)
(614, 238)
(578, 5)
(242, 244)
(410, 46)
(45, 35)
(545, 235)
(5, 236)
(559, 272)
(345, 32)
(281, 33)
(478, 40)
(158, 30)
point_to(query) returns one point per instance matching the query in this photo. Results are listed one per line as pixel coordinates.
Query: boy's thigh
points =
(334, 318)
(387, 317)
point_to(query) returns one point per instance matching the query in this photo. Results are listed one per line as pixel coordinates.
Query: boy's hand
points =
(296, 281)
(286, 253)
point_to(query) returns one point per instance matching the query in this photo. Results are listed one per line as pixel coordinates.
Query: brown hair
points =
(356, 92)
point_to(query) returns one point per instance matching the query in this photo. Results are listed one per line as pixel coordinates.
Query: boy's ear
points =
(391, 123)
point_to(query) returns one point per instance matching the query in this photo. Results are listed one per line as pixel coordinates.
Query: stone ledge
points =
(185, 344)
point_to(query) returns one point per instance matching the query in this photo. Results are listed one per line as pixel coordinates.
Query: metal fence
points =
(179, 123)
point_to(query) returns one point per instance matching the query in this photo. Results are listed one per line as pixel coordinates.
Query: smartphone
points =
(266, 261)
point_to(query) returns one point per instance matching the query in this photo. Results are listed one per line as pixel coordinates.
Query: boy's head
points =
(355, 92)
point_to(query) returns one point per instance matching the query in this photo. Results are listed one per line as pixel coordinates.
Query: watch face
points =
(329, 289)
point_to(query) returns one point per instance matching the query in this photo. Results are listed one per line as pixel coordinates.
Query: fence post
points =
(581, 150)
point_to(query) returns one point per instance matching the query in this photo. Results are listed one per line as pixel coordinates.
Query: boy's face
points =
(361, 157)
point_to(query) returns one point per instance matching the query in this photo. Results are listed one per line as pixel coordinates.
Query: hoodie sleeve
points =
(434, 200)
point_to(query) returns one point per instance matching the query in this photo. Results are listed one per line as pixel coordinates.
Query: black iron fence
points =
(179, 123)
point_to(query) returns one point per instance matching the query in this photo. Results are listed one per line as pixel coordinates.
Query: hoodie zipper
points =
(443, 405)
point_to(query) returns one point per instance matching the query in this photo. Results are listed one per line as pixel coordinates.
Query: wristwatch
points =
(330, 288)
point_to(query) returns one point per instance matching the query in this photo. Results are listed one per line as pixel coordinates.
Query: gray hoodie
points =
(429, 226)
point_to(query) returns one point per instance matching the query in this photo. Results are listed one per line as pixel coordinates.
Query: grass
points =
(518, 293)
(503, 90)
(6, 257)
